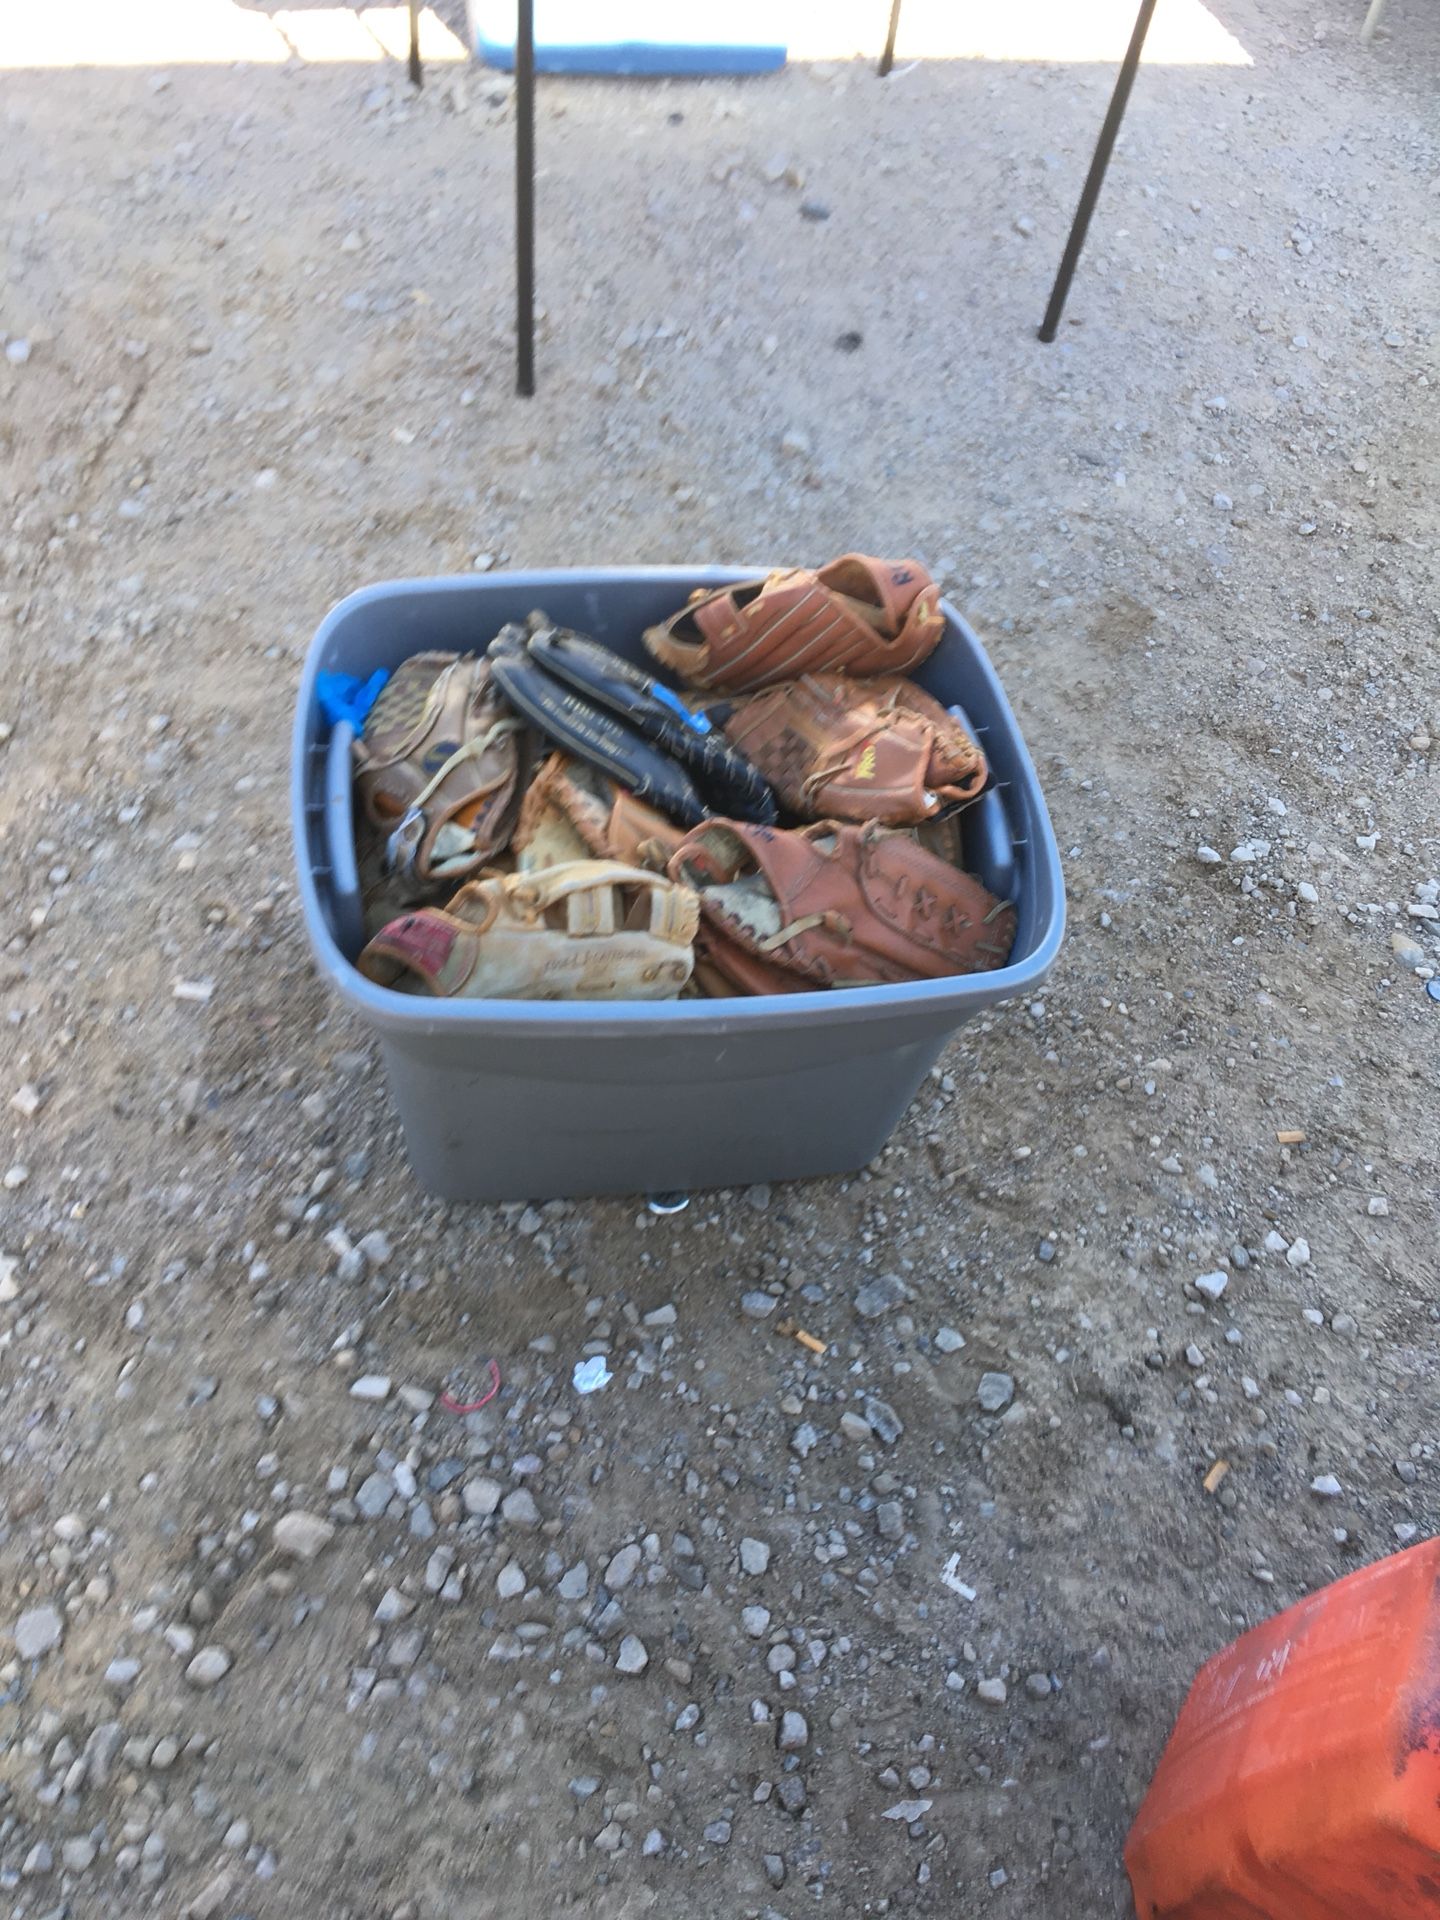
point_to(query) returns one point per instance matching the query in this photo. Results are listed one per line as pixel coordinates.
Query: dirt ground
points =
(258, 355)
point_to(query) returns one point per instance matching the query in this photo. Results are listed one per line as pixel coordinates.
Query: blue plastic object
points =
(517, 1099)
(345, 697)
(634, 36)
(697, 722)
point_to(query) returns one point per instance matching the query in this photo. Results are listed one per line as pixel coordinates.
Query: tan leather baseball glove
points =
(573, 811)
(587, 930)
(834, 748)
(438, 767)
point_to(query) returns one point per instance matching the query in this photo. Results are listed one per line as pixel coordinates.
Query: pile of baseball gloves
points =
(544, 821)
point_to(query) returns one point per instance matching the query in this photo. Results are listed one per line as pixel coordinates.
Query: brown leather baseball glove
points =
(833, 906)
(858, 615)
(586, 930)
(573, 811)
(438, 767)
(834, 748)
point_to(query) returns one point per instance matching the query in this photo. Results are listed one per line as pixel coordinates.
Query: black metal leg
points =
(1094, 179)
(887, 58)
(525, 197)
(416, 78)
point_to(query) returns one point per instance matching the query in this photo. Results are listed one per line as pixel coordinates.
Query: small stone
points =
(632, 1656)
(774, 1865)
(1212, 1285)
(757, 1305)
(1208, 857)
(39, 1860)
(165, 1753)
(374, 1494)
(879, 1296)
(653, 1843)
(883, 1419)
(482, 1497)
(1194, 1357)
(17, 351)
(754, 1555)
(371, 1386)
(996, 1391)
(1377, 1206)
(122, 1673)
(1309, 893)
(794, 1731)
(623, 1568)
(908, 1810)
(1023, 225)
(518, 1509)
(804, 1440)
(209, 1667)
(814, 210)
(1298, 1253)
(302, 1535)
(1275, 1242)
(38, 1631)
(27, 1101)
(854, 1428)
(948, 1340)
(755, 1621)
(1222, 502)
(993, 1692)
(890, 1520)
(795, 443)
(405, 1647)
(998, 1878)
(611, 1837)
(661, 1317)
(574, 1583)
(1345, 1324)
(1038, 1685)
(510, 1581)
(718, 1833)
(1327, 1486)
(790, 1792)
(78, 1854)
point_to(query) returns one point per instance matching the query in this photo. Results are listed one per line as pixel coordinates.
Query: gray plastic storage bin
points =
(509, 1100)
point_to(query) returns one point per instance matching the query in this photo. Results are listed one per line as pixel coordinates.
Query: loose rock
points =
(996, 1391)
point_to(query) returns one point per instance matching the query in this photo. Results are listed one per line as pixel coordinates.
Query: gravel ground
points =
(899, 1626)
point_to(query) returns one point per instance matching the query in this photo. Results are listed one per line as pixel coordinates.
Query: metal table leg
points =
(1094, 179)
(525, 197)
(887, 58)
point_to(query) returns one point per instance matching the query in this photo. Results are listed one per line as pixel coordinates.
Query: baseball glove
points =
(833, 906)
(840, 749)
(588, 930)
(574, 812)
(728, 784)
(857, 615)
(438, 767)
